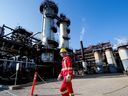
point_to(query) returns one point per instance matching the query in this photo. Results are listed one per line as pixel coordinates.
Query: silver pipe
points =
(16, 61)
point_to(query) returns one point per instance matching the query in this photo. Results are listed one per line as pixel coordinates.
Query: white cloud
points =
(83, 19)
(83, 29)
(120, 41)
(82, 33)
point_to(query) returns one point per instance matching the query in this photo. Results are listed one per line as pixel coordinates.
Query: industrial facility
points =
(22, 52)
(101, 58)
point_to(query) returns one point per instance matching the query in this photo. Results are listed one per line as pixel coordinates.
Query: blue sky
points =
(93, 21)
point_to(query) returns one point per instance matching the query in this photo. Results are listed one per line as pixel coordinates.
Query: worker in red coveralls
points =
(67, 74)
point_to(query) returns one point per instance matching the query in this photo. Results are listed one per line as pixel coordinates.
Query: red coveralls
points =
(66, 87)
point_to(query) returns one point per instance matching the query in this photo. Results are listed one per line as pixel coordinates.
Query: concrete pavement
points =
(92, 85)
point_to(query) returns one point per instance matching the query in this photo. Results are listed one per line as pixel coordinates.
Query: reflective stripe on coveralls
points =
(64, 69)
(65, 64)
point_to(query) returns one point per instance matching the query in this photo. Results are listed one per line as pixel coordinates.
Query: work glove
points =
(68, 78)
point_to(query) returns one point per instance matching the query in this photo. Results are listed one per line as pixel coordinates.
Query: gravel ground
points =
(92, 85)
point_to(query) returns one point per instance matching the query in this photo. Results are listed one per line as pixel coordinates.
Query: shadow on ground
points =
(2, 88)
(105, 75)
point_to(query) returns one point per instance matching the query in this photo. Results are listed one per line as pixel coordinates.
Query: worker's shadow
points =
(48, 95)
(55, 95)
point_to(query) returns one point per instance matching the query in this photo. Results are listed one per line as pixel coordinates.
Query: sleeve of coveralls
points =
(69, 62)
(69, 65)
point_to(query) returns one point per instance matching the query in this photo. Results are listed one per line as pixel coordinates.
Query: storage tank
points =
(123, 53)
(110, 60)
(98, 61)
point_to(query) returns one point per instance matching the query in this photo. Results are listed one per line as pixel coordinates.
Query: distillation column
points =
(49, 10)
(64, 23)
(123, 53)
(110, 60)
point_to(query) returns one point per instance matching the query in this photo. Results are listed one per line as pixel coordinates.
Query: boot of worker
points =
(70, 89)
(65, 93)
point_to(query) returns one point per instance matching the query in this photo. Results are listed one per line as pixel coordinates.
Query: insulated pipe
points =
(123, 53)
(26, 60)
(6, 60)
